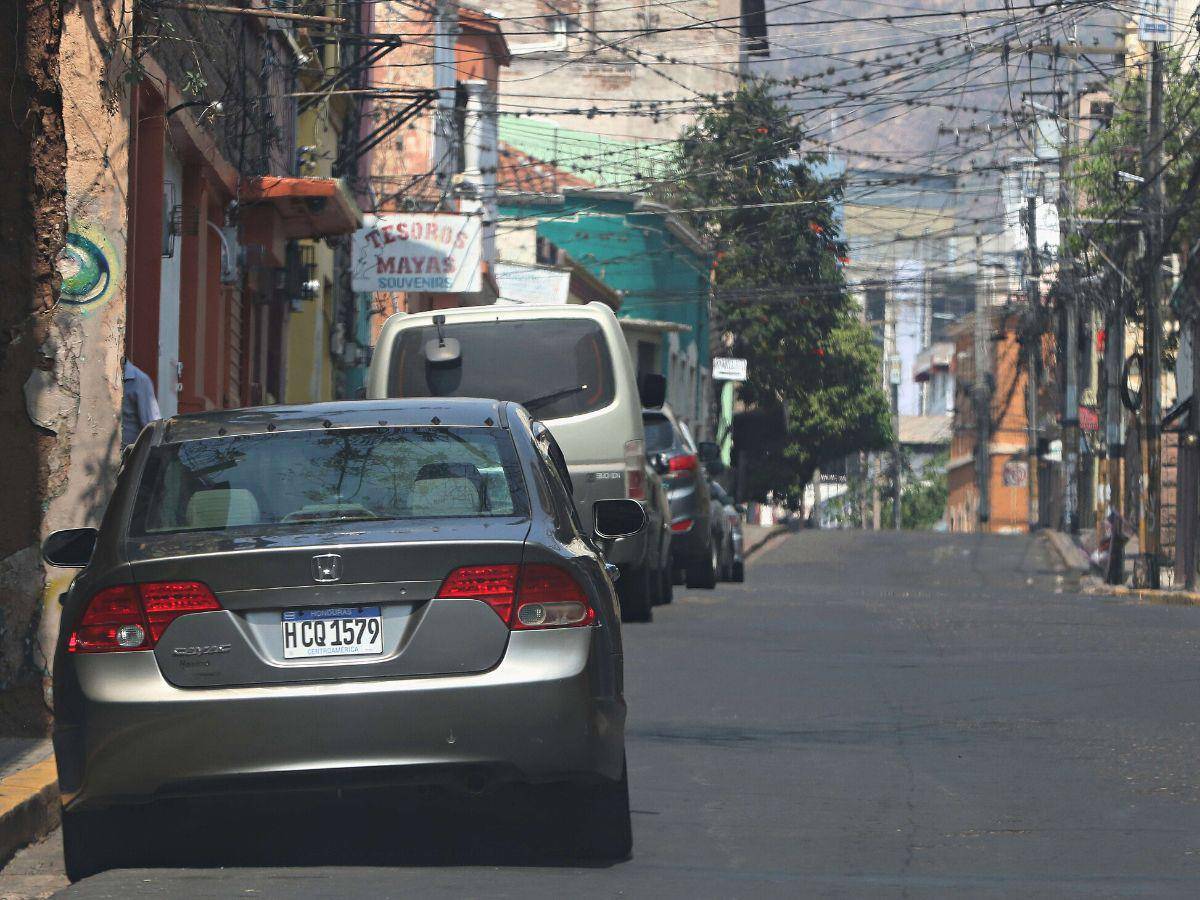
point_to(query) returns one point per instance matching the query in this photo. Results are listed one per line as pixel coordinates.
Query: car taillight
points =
(635, 473)
(536, 595)
(550, 597)
(682, 525)
(134, 616)
(686, 463)
(494, 585)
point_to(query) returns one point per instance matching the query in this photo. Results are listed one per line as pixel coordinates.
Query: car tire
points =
(702, 573)
(604, 815)
(667, 593)
(634, 591)
(739, 572)
(91, 841)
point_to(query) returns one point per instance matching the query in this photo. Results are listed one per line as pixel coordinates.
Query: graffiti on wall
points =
(89, 268)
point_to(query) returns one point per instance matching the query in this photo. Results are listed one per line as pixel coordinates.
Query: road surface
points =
(868, 715)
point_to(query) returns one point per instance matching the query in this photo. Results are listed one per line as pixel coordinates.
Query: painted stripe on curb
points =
(28, 806)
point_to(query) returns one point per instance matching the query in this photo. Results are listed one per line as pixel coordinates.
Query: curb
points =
(1168, 597)
(1068, 551)
(28, 806)
(776, 531)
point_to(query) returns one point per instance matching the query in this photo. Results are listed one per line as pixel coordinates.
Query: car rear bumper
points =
(544, 714)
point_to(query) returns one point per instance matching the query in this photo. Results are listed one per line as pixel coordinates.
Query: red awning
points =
(309, 207)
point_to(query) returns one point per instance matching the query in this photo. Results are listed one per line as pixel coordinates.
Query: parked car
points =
(570, 367)
(279, 597)
(674, 454)
(733, 565)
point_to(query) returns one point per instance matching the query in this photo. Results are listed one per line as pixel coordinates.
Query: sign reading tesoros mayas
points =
(430, 252)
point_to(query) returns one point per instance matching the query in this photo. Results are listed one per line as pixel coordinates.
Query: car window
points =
(659, 434)
(554, 367)
(362, 474)
(688, 442)
(557, 476)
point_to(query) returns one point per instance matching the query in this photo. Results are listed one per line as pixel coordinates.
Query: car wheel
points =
(604, 815)
(667, 594)
(634, 592)
(92, 841)
(739, 572)
(703, 572)
(726, 562)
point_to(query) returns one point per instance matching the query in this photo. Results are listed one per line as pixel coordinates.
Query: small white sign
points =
(430, 252)
(729, 368)
(1154, 20)
(531, 285)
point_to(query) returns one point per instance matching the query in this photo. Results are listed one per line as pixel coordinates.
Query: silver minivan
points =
(569, 366)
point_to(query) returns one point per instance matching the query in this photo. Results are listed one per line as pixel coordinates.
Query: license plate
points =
(337, 631)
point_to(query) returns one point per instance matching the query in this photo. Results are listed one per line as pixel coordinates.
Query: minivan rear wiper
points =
(550, 398)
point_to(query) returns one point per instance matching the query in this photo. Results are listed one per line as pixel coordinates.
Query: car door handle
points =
(612, 571)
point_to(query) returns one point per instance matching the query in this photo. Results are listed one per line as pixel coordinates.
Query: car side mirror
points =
(710, 454)
(659, 463)
(614, 519)
(652, 390)
(71, 548)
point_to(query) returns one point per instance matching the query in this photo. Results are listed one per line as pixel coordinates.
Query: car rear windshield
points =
(659, 433)
(556, 367)
(328, 475)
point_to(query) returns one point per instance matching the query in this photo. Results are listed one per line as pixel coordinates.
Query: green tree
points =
(746, 183)
(923, 495)
(1110, 200)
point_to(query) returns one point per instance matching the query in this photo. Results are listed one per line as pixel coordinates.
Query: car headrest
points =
(445, 497)
(222, 508)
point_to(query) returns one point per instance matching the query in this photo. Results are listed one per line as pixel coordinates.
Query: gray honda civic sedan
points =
(391, 592)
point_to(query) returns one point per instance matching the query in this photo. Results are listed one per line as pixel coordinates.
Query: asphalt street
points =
(868, 715)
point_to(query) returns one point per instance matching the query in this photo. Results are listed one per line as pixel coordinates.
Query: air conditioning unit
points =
(337, 340)
(172, 224)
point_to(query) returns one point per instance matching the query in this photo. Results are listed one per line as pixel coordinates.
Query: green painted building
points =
(657, 263)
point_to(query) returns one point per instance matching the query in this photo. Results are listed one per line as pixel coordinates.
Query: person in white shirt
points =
(138, 406)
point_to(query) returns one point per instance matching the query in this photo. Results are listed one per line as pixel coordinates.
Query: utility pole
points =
(1152, 165)
(1185, 540)
(894, 377)
(982, 401)
(1114, 432)
(1033, 293)
(1070, 413)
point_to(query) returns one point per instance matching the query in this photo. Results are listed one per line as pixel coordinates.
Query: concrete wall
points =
(620, 63)
(78, 398)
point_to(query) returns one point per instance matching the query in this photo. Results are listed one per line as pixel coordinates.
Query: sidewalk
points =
(28, 793)
(1075, 559)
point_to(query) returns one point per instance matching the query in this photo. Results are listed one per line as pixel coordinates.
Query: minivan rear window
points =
(328, 475)
(659, 433)
(556, 367)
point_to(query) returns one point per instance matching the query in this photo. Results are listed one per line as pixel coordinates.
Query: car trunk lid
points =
(390, 574)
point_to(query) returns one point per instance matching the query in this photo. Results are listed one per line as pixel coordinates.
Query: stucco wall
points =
(79, 398)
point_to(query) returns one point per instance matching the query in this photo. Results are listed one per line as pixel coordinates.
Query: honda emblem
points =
(327, 568)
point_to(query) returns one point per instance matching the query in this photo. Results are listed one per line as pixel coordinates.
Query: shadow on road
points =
(409, 827)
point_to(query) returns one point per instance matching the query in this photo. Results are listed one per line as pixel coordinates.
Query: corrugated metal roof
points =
(926, 429)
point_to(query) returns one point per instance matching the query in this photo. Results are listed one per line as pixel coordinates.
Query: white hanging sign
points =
(428, 252)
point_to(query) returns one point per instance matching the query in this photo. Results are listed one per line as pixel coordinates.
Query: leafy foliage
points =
(1110, 198)
(923, 498)
(780, 293)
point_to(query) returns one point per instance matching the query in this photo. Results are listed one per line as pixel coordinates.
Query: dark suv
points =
(673, 453)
